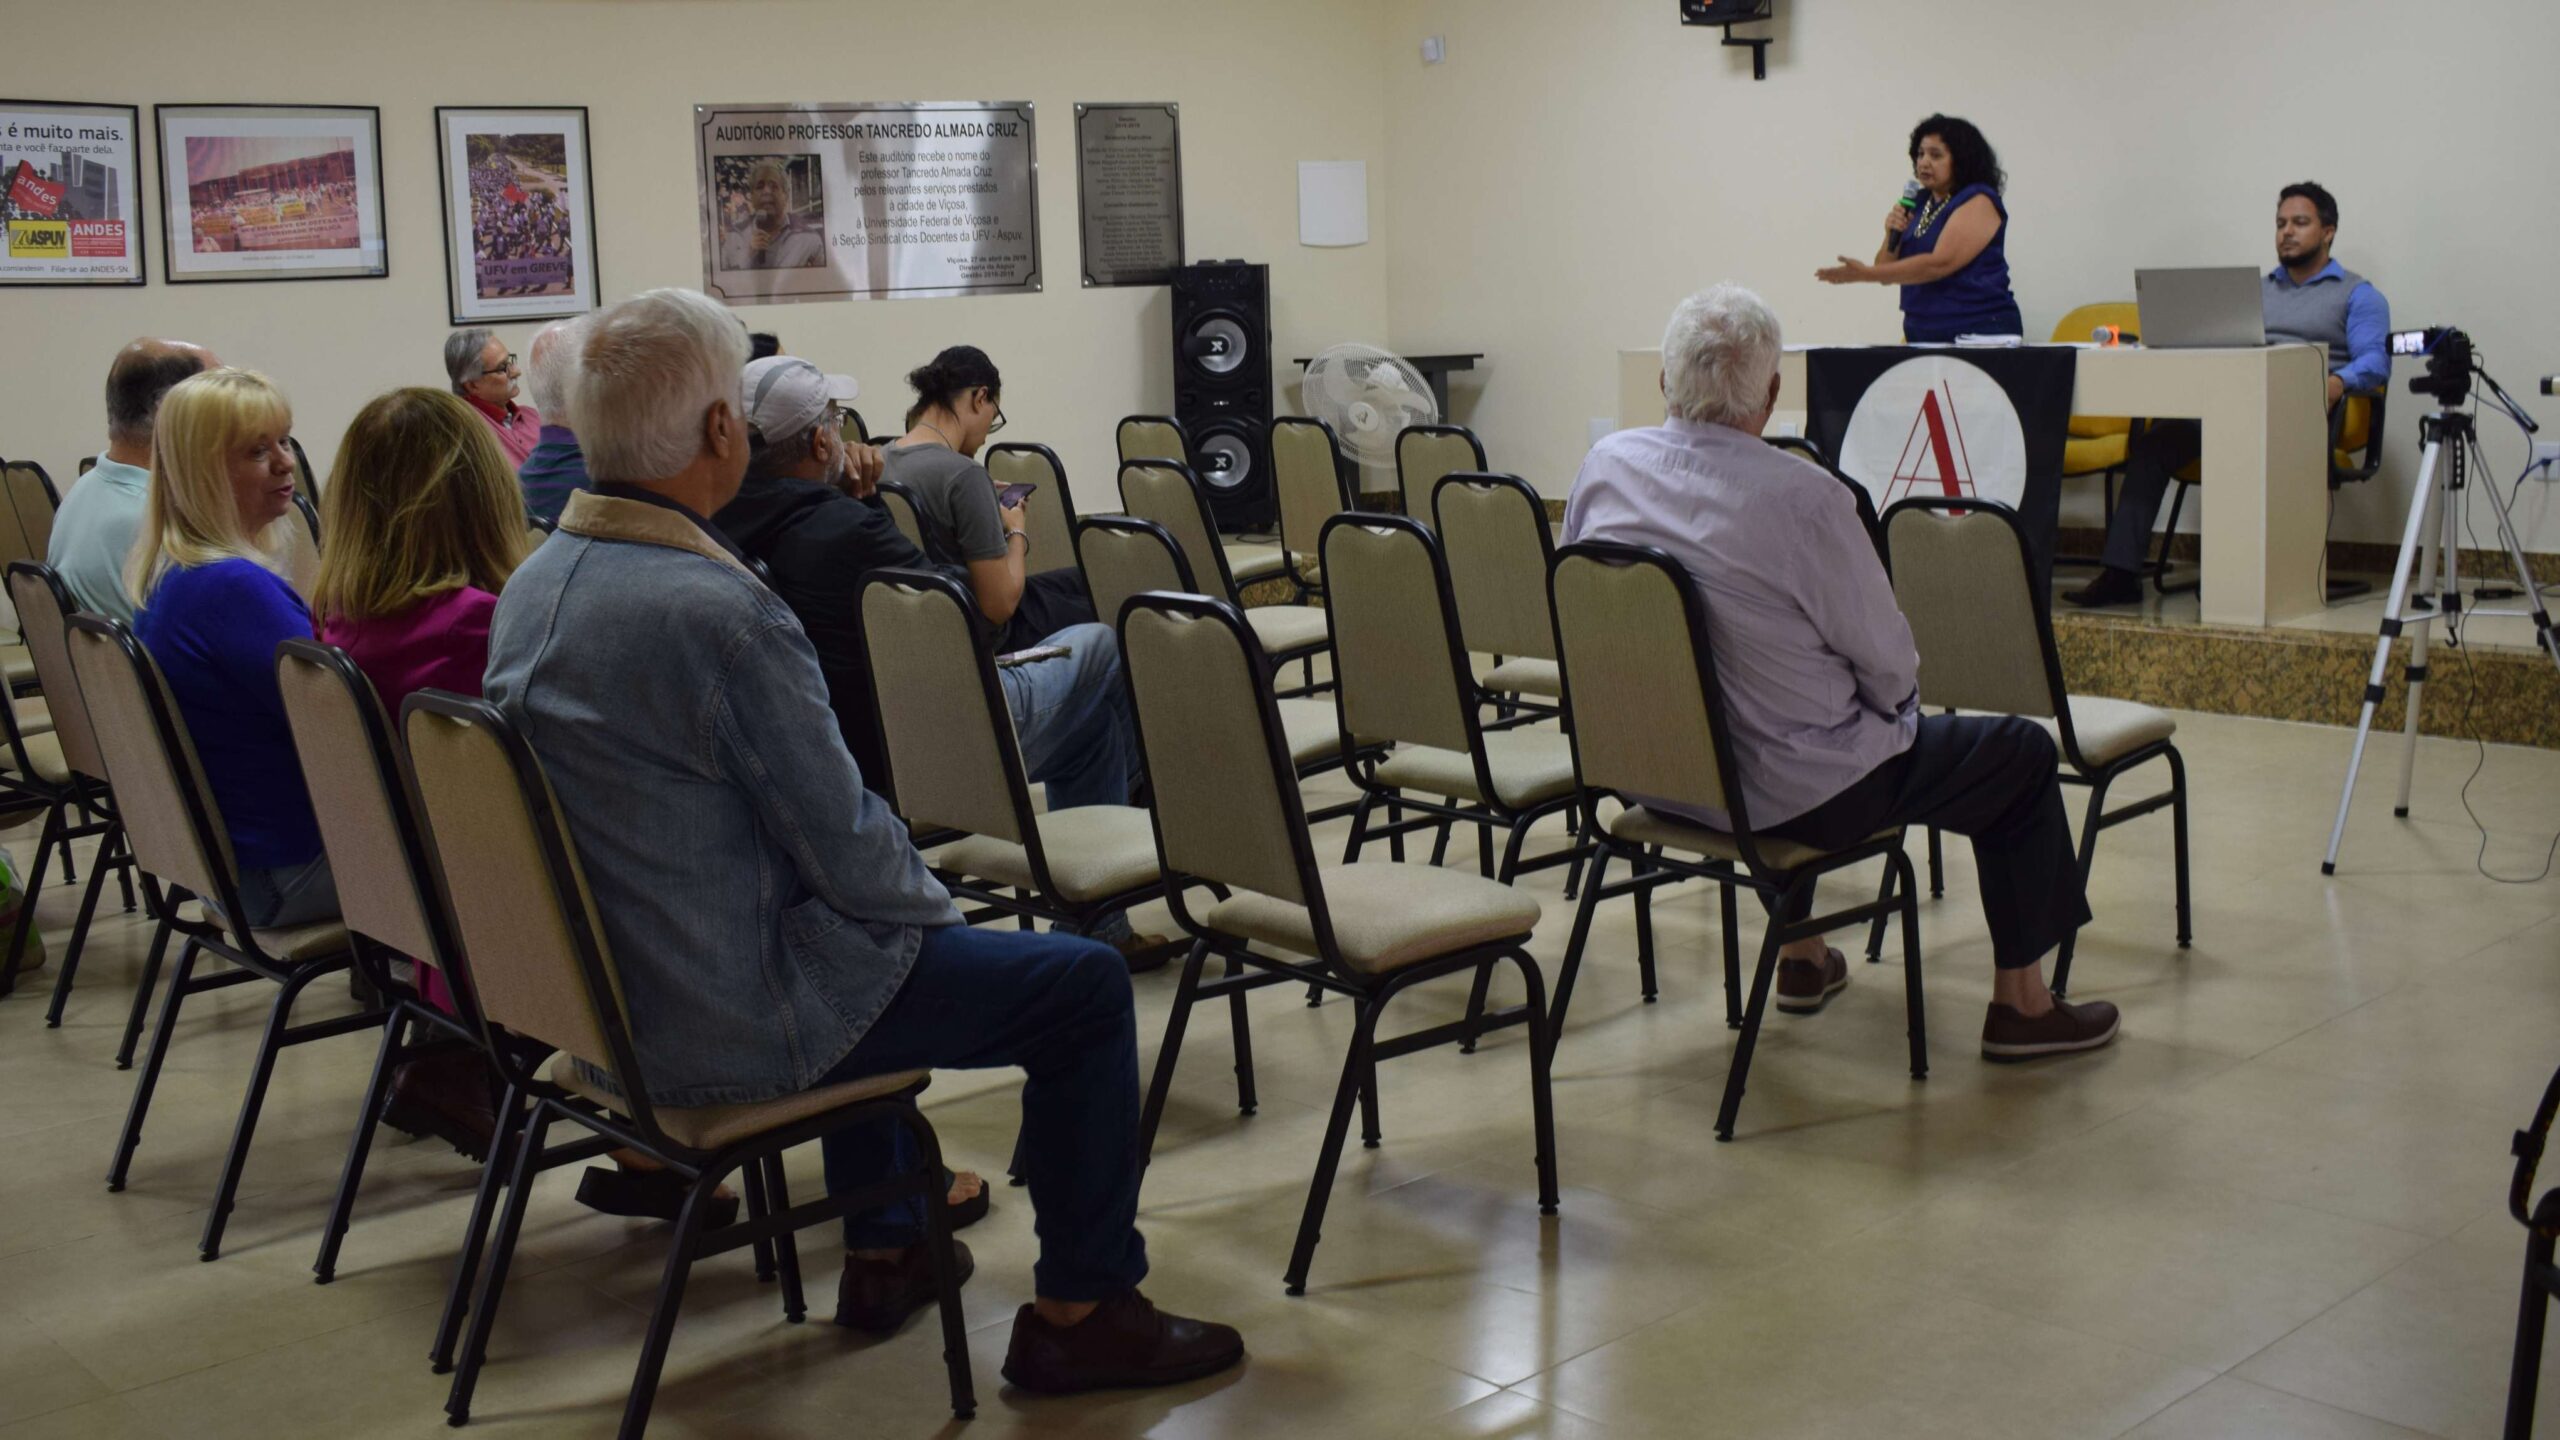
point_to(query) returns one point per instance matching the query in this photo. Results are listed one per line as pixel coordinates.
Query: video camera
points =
(2449, 362)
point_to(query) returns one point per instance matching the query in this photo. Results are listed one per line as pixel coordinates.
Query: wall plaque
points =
(1129, 192)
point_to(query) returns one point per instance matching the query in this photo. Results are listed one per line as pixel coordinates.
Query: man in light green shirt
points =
(93, 531)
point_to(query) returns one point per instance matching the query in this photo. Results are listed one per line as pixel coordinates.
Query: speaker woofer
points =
(1218, 345)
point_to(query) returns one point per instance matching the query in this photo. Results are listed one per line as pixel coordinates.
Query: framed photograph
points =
(70, 193)
(519, 212)
(272, 192)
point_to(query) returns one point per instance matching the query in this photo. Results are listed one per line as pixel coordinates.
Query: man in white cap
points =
(805, 511)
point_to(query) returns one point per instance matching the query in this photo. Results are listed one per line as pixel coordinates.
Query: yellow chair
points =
(2355, 456)
(2097, 442)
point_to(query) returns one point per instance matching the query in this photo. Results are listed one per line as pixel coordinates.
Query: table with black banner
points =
(2264, 500)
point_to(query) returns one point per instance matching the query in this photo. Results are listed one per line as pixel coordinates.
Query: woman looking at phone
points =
(966, 524)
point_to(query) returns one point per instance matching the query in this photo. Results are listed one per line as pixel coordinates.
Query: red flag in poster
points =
(27, 192)
(512, 195)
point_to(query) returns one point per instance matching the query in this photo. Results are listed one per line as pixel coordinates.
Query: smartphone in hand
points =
(1013, 495)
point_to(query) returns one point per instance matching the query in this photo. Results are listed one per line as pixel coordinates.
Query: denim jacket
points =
(761, 905)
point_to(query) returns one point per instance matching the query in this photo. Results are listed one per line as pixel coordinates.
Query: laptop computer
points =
(2220, 306)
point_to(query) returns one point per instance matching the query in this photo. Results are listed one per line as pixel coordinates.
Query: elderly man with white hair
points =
(1820, 677)
(555, 468)
(773, 930)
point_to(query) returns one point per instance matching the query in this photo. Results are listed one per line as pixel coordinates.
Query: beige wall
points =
(1261, 87)
(1570, 171)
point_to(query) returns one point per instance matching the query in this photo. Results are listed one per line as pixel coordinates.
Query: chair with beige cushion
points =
(1985, 633)
(1049, 516)
(178, 838)
(1227, 815)
(1124, 556)
(367, 810)
(1493, 529)
(900, 502)
(1401, 675)
(1307, 479)
(1646, 712)
(1160, 437)
(954, 766)
(26, 532)
(534, 946)
(1424, 453)
(1170, 495)
(43, 607)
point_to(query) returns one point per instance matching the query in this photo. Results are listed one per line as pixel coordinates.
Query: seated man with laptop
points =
(2307, 298)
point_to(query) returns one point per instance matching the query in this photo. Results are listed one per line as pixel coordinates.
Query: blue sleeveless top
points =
(1973, 301)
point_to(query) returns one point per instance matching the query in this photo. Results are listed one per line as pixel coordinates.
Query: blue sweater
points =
(213, 630)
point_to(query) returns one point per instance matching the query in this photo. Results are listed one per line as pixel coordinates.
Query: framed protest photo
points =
(70, 193)
(519, 212)
(272, 192)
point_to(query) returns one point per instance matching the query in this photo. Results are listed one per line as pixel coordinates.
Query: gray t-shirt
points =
(955, 498)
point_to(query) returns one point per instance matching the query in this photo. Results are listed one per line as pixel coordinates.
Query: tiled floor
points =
(2275, 1209)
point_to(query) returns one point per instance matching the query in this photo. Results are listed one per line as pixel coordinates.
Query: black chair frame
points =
(1183, 459)
(1132, 525)
(1510, 709)
(2077, 769)
(771, 1220)
(1474, 446)
(1061, 496)
(230, 940)
(1783, 890)
(1311, 587)
(97, 818)
(2541, 1220)
(1445, 815)
(1227, 589)
(1042, 901)
(1248, 970)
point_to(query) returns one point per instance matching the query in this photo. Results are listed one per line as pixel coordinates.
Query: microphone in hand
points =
(1897, 222)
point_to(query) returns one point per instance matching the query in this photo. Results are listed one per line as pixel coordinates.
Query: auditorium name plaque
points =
(1129, 192)
(868, 201)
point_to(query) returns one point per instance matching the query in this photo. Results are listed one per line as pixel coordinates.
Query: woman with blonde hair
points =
(425, 524)
(211, 606)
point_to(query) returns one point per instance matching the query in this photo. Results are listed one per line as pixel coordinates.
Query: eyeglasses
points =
(999, 421)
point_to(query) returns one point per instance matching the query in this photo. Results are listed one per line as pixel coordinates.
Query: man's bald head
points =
(143, 372)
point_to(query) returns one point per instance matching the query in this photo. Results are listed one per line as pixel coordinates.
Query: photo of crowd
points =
(521, 243)
(773, 211)
(261, 192)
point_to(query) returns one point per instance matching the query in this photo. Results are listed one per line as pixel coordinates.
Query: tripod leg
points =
(2441, 572)
(2542, 632)
(2411, 540)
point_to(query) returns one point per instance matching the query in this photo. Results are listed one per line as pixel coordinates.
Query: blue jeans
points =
(289, 894)
(1078, 737)
(1059, 1007)
(1072, 716)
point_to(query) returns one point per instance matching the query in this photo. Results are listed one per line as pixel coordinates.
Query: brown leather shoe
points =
(1805, 986)
(442, 1089)
(1149, 952)
(1126, 1343)
(2066, 1029)
(877, 1296)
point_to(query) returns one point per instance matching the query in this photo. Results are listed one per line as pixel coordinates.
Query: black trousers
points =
(1995, 779)
(1051, 601)
(2160, 451)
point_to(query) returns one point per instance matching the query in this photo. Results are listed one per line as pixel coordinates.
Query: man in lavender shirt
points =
(1820, 678)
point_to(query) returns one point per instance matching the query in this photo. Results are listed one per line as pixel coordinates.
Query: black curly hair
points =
(1971, 154)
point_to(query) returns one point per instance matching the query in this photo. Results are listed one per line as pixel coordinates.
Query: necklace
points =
(937, 434)
(1929, 214)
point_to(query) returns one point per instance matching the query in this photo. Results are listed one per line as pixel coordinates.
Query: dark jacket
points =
(819, 543)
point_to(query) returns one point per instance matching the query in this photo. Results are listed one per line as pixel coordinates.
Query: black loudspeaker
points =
(1222, 386)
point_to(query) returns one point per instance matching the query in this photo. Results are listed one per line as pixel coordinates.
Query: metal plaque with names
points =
(866, 201)
(1129, 192)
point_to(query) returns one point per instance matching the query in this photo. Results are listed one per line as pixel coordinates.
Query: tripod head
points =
(2449, 363)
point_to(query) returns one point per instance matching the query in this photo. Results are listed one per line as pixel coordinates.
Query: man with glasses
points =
(482, 371)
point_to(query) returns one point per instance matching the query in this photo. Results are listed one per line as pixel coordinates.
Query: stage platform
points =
(2498, 686)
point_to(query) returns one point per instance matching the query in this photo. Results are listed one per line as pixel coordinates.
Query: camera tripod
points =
(2447, 436)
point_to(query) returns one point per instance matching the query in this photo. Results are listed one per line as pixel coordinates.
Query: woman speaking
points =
(1944, 244)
